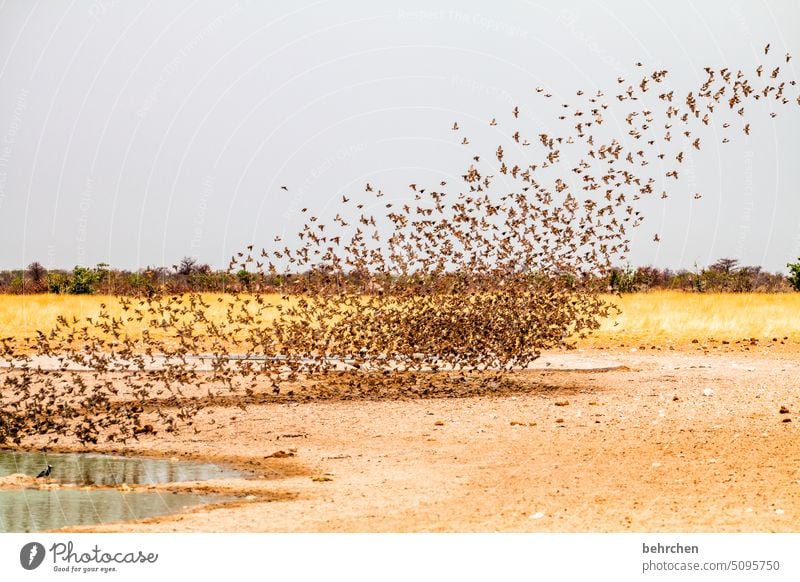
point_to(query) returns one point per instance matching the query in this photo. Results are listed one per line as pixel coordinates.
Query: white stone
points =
(537, 515)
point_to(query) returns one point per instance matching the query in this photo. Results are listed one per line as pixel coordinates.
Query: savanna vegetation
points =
(723, 276)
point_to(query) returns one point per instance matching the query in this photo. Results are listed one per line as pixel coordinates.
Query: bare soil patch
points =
(681, 440)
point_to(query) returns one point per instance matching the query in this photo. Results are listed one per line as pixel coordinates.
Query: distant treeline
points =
(725, 275)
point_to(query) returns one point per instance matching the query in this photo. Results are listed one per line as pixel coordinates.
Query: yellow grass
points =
(661, 316)
(676, 316)
(21, 316)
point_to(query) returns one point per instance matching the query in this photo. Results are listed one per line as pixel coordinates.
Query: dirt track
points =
(644, 448)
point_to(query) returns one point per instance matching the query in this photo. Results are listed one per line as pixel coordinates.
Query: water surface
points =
(25, 510)
(91, 469)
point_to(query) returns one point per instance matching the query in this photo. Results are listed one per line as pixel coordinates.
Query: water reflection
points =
(88, 469)
(42, 509)
(29, 510)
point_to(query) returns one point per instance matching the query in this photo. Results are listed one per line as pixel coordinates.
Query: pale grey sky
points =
(135, 132)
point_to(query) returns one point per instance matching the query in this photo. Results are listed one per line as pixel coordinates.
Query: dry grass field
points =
(22, 315)
(664, 316)
(658, 317)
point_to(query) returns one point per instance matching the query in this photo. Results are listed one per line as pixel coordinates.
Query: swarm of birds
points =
(472, 278)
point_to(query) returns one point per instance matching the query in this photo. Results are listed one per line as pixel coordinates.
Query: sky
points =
(136, 133)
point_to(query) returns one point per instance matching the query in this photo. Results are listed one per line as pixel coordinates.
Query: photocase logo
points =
(31, 555)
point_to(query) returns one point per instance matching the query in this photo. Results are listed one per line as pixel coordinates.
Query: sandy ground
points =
(686, 440)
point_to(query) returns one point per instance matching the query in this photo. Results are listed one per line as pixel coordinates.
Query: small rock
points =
(656, 464)
(438, 423)
(280, 455)
(537, 515)
(559, 420)
(784, 410)
(675, 398)
(708, 392)
(562, 403)
(780, 511)
(787, 420)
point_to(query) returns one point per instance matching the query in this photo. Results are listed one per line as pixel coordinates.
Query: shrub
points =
(141, 284)
(83, 281)
(623, 281)
(57, 282)
(794, 275)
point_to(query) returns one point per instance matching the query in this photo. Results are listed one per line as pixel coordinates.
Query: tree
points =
(794, 275)
(726, 275)
(245, 278)
(36, 272)
(186, 266)
(725, 265)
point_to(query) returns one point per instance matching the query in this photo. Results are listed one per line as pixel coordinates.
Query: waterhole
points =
(28, 509)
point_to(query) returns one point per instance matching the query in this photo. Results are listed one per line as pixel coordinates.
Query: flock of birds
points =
(473, 278)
